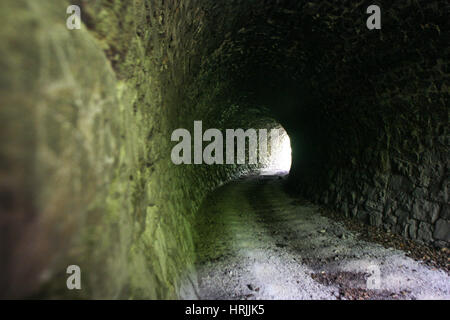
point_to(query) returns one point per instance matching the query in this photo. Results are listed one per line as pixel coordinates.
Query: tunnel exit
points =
(280, 155)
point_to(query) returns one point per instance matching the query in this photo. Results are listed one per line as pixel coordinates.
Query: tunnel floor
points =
(257, 242)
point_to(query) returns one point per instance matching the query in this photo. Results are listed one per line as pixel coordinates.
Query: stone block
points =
(412, 229)
(402, 216)
(445, 212)
(375, 219)
(424, 233)
(401, 184)
(442, 230)
(424, 210)
(391, 219)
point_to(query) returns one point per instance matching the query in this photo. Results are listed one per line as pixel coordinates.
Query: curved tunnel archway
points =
(93, 110)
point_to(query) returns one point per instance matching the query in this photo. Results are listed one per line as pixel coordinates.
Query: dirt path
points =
(256, 242)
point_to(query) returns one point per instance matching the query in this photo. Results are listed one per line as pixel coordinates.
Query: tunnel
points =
(88, 113)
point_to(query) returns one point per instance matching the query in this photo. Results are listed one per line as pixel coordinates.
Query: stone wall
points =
(86, 176)
(382, 106)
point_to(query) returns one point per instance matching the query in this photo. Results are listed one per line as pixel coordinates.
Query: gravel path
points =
(256, 242)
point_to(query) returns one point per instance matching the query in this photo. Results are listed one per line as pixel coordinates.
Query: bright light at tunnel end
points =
(281, 154)
(270, 149)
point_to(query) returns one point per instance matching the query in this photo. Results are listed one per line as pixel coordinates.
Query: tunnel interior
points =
(86, 174)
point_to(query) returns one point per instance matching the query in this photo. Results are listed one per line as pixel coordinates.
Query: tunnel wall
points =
(376, 144)
(86, 175)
